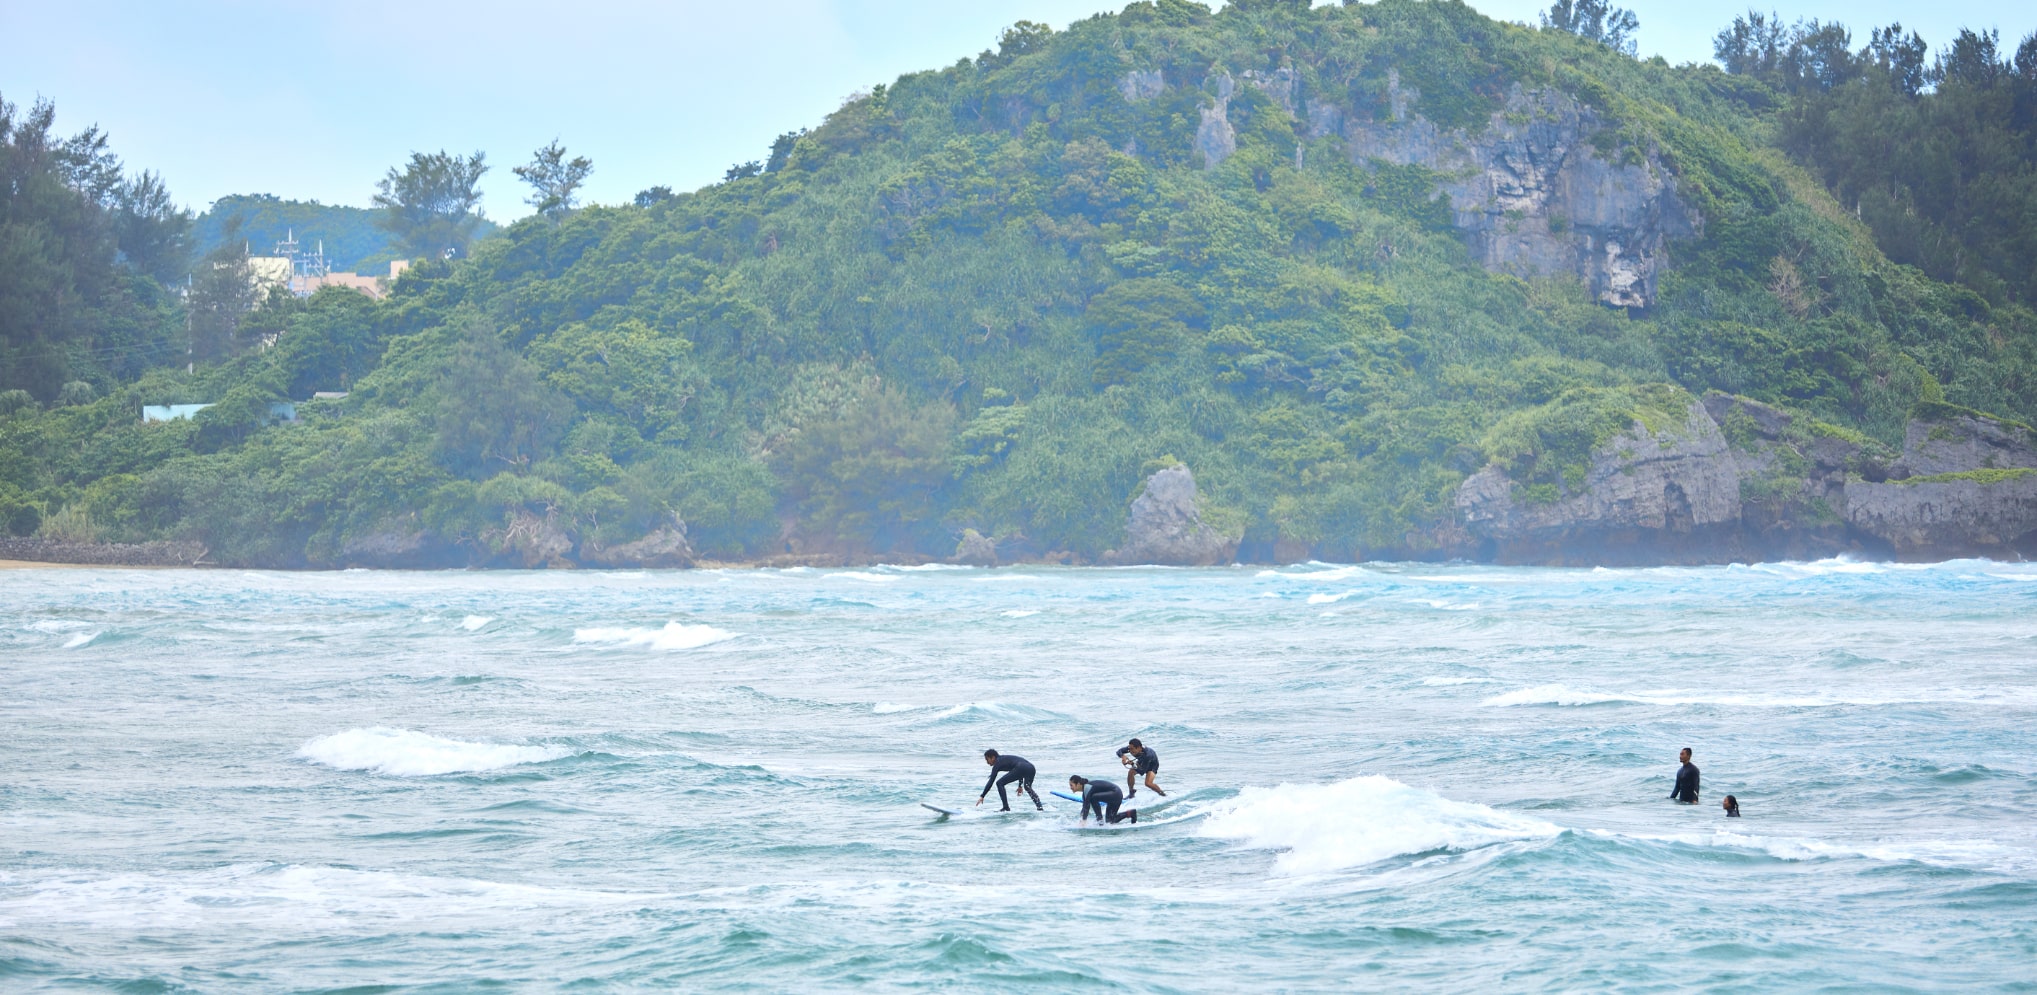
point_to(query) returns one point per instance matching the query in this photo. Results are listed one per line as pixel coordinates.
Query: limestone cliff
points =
(1529, 188)
(1166, 526)
(1739, 480)
(1646, 497)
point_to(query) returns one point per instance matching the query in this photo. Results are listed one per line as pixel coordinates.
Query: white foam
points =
(473, 623)
(1448, 606)
(57, 625)
(1019, 613)
(1363, 820)
(1331, 573)
(888, 707)
(1439, 682)
(674, 636)
(1985, 855)
(81, 639)
(1561, 694)
(1329, 599)
(864, 576)
(926, 567)
(408, 753)
(279, 897)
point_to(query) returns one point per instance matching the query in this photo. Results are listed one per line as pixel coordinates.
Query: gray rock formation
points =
(1965, 485)
(663, 548)
(1993, 513)
(1215, 139)
(529, 540)
(1142, 84)
(160, 553)
(1166, 526)
(1532, 195)
(976, 549)
(1647, 496)
(397, 546)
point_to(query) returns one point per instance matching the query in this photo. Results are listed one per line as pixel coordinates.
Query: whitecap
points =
(1968, 854)
(1363, 820)
(57, 625)
(473, 623)
(81, 639)
(1020, 613)
(1329, 599)
(674, 636)
(863, 576)
(408, 753)
(890, 707)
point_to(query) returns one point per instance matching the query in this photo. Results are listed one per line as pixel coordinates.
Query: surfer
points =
(1139, 759)
(1102, 796)
(1686, 790)
(1732, 807)
(1014, 769)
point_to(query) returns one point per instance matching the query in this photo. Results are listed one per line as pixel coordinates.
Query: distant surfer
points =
(1015, 770)
(1102, 796)
(1732, 807)
(1686, 790)
(1139, 758)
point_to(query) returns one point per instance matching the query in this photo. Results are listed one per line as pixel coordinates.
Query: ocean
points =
(1438, 777)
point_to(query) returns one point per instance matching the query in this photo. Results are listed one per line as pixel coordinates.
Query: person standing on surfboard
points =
(1139, 758)
(1014, 769)
(1102, 796)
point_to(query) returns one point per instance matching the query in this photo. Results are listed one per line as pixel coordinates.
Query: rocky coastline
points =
(1735, 480)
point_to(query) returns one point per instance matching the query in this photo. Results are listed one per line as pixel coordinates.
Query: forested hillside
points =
(352, 239)
(1336, 260)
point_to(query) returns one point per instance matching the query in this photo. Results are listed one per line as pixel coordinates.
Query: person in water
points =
(1686, 790)
(1102, 796)
(1139, 758)
(1732, 807)
(1014, 769)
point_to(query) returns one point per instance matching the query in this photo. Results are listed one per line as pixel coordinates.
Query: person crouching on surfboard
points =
(1014, 769)
(1102, 796)
(1139, 759)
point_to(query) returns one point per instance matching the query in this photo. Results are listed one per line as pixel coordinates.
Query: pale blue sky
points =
(317, 100)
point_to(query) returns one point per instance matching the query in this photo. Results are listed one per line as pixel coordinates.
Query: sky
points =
(318, 101)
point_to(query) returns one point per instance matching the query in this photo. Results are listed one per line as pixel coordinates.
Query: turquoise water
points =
(1443, 777)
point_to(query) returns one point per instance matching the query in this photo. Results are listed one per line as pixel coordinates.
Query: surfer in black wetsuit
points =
(1102, 796)
(1014, 769)
(1686, 790)
(1139, 758)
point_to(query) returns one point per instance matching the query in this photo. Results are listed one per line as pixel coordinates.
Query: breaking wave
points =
(408, 753)
(1363, 820)
(674, 636)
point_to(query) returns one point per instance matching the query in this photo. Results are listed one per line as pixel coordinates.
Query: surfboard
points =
(1071, 798)
(931, 808)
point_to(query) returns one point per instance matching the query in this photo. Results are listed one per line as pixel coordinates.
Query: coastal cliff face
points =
(1646, 496)
(1166, 526)
(1530, 190)
(1740, 480)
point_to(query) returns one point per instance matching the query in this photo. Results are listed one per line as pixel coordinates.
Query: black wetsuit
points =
(1103, 798)
(1014, 769)
(1147, 761)
(1686, 790)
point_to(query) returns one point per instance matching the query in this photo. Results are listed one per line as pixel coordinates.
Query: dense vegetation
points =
(996, 295)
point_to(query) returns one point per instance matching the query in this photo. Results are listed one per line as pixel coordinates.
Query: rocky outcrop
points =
(1965, 485)
(976, 549)
(1215, 139)
(1167, 528)
(105, 554)
(665, 547)
(1533, 196)
(1740, 480)
(1646, 496)
(1142, 84)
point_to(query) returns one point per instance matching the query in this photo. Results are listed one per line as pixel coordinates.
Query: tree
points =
(653, 195)
(494, 413)
(781, 150)
(431, 206)
(1594, 20)
(222, 293)
(553, 179)
(743, 171)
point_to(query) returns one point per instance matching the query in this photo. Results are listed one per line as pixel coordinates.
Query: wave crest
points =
(674, 636)
(408, 753)
(1360, 821)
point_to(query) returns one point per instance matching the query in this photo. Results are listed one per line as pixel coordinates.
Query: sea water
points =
(1383, 776)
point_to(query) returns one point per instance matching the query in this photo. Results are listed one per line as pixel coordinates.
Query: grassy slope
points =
(963, 304)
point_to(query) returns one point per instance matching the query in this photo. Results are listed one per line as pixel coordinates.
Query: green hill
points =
(352, 240)
(1334, 259)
